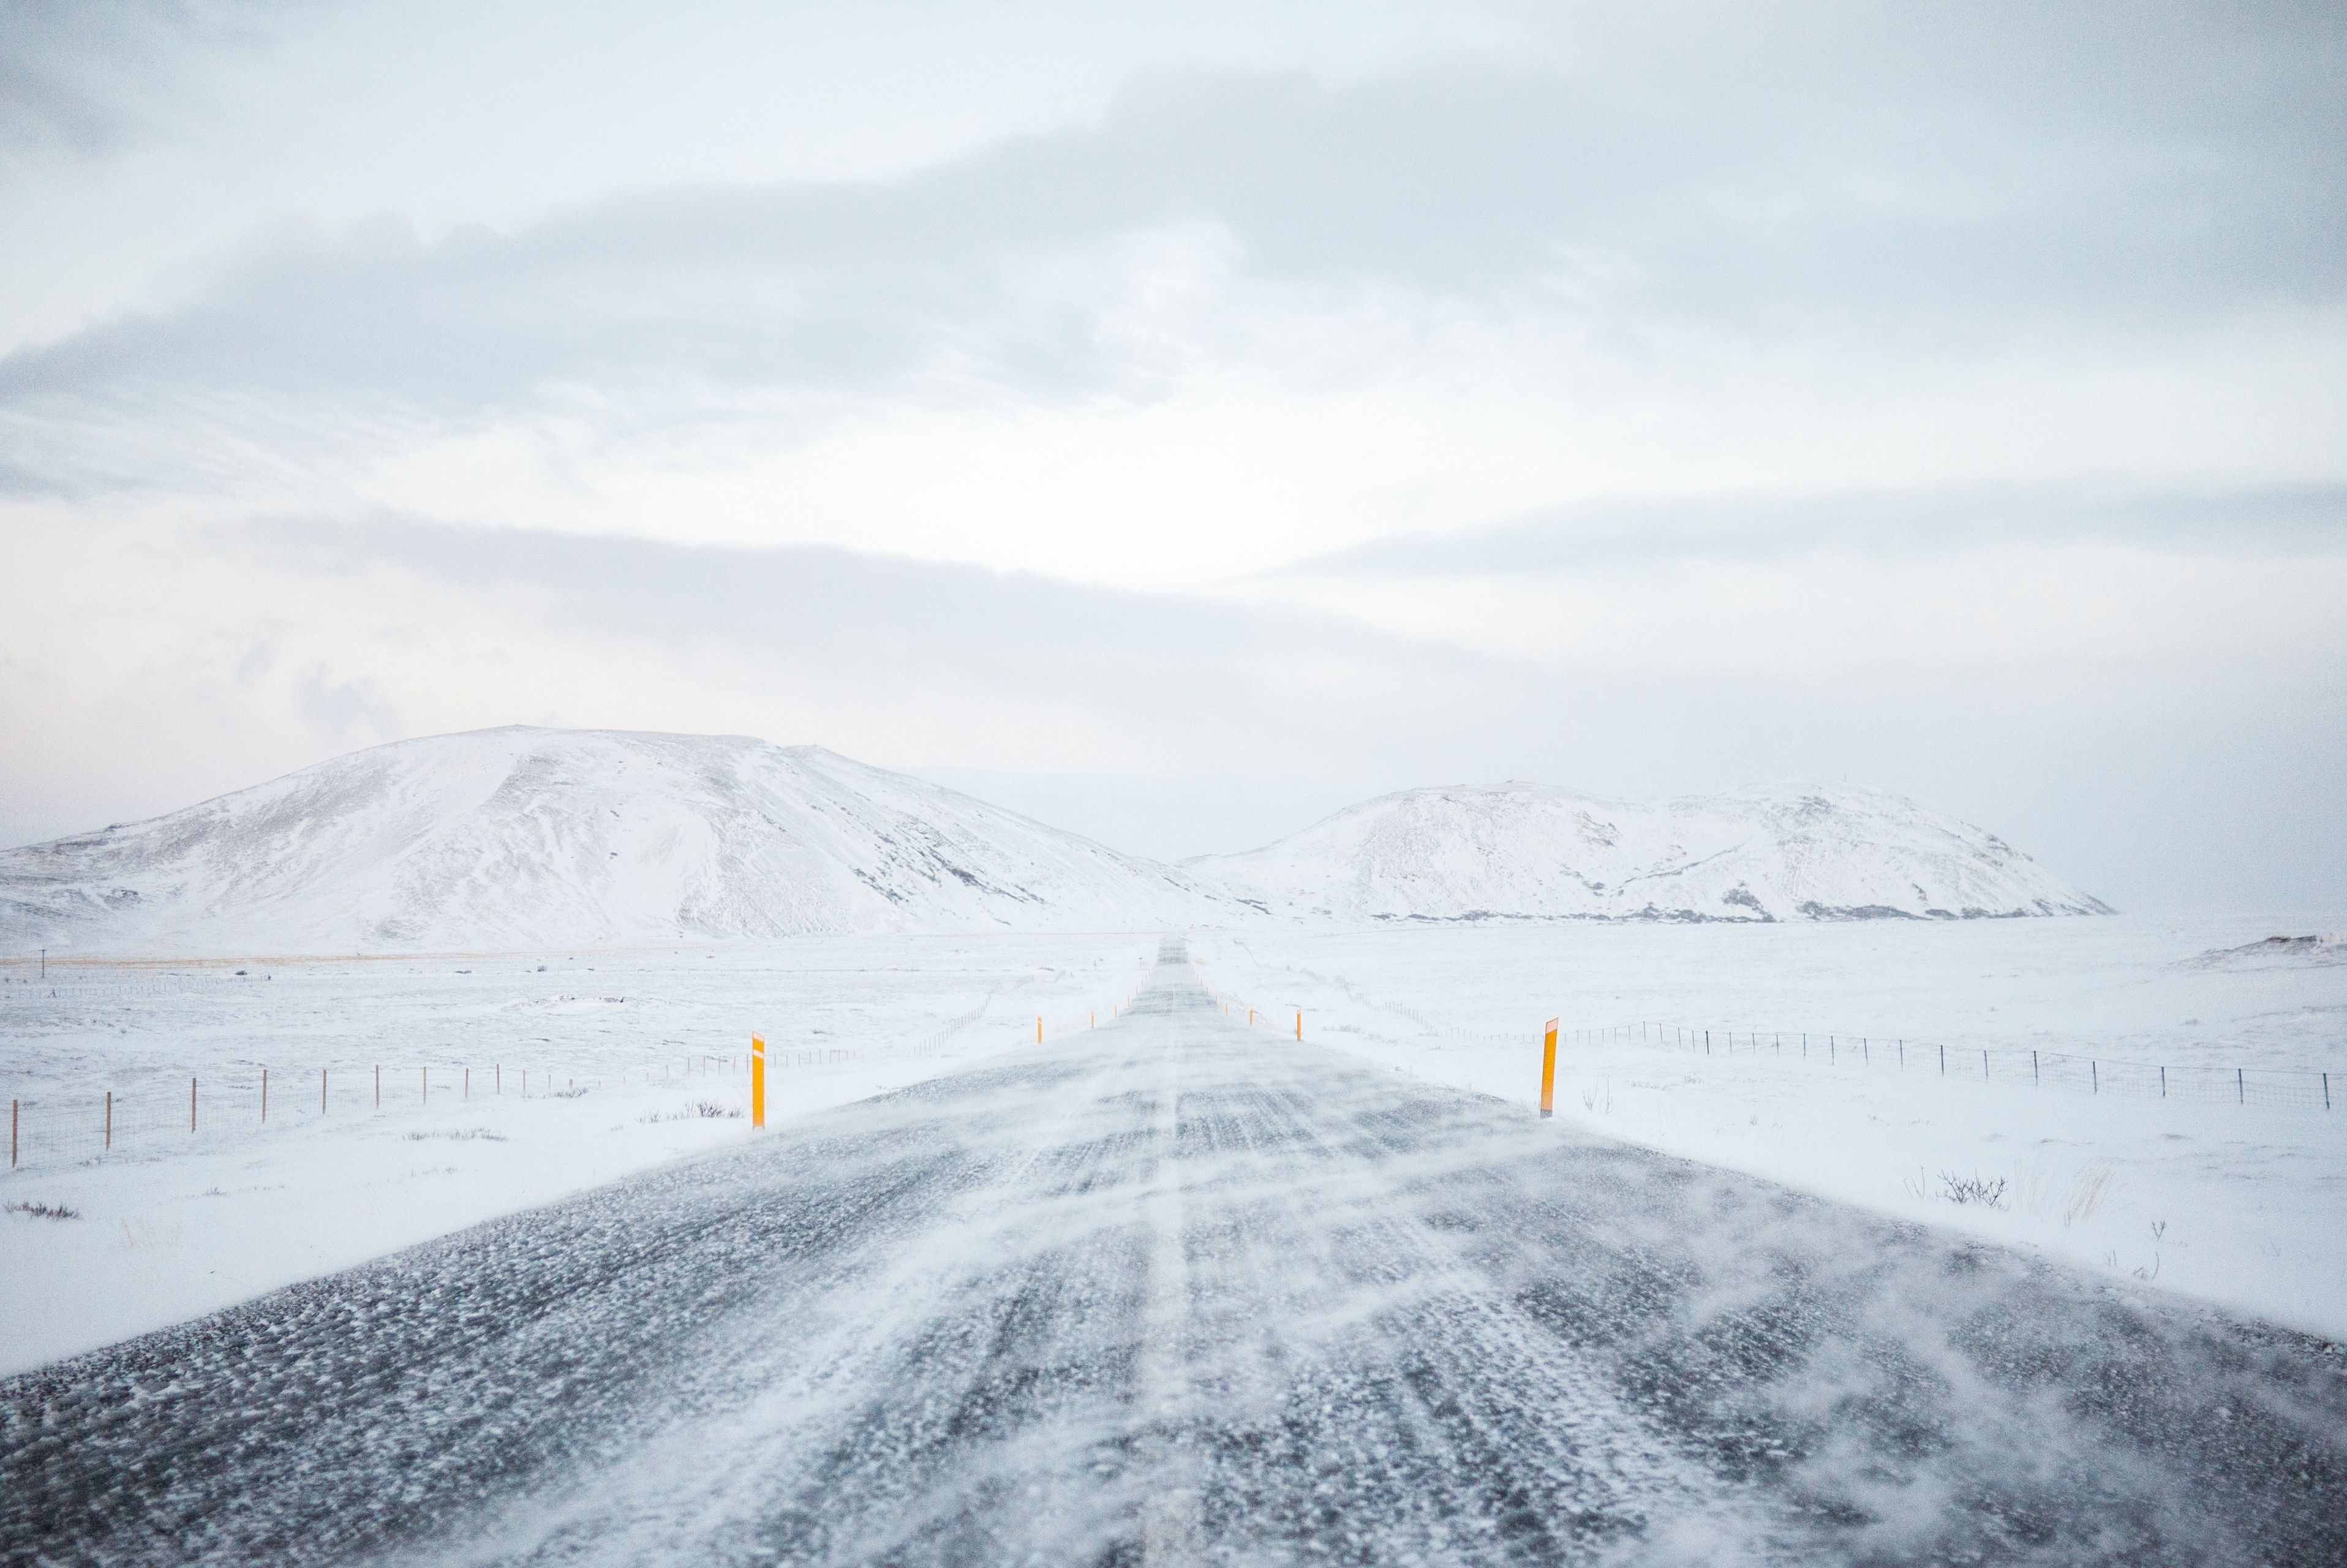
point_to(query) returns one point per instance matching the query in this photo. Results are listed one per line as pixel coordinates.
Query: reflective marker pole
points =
(1299, 1026)
(1548, 1072)
(757, 1082)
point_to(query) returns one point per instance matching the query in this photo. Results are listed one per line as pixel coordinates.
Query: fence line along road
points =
(2241, 1085)
(226, 1105)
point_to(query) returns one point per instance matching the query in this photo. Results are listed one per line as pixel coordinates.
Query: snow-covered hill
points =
(1809, 851)
(525, 838)
(533, 838)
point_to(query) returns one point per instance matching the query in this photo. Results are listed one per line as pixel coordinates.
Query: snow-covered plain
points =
(1181, 1291)
(2239, 1205)
(168, 1226)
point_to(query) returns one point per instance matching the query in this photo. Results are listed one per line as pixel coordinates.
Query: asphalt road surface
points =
(1176, 1291)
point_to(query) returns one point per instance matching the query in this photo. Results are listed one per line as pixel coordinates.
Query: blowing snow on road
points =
(1177, 1290)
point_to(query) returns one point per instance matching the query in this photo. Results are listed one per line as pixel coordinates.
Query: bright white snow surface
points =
(168, 1226)
(1812, 851)
(2240, 1204)
(533, 838)
(528, 838)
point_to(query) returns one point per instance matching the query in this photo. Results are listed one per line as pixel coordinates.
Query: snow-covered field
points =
(2245, 1205)
(168, 1225)
(2240, 1204)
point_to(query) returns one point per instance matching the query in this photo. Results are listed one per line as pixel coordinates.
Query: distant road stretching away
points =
(1177, 1291)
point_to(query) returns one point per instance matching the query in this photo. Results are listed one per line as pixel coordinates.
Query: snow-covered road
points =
(1178, 1291)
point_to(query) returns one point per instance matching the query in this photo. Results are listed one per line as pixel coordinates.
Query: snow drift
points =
(1526, 851)
(533, 838)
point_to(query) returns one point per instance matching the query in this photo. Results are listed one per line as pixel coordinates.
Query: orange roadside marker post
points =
(1039, 1029)
(757, 1083)
(1300, 1024)
(1548, 1072)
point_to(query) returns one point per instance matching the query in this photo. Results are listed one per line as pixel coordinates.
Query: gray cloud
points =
(85, 78)
(2203, 775)
(1912, 175)
(1188, 667)
(2303, 518)
(342, 708)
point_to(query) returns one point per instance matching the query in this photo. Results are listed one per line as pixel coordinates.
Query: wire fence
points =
(224, 1105)
(228, 1105)
(2293, 1089)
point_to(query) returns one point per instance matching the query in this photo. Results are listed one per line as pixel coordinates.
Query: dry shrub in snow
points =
(699, 1109)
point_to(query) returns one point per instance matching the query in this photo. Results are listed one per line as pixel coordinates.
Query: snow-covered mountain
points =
(1789, 852)
(533, 838)
(525, 838)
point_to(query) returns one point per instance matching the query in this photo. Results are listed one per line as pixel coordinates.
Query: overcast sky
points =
(1180, 424)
